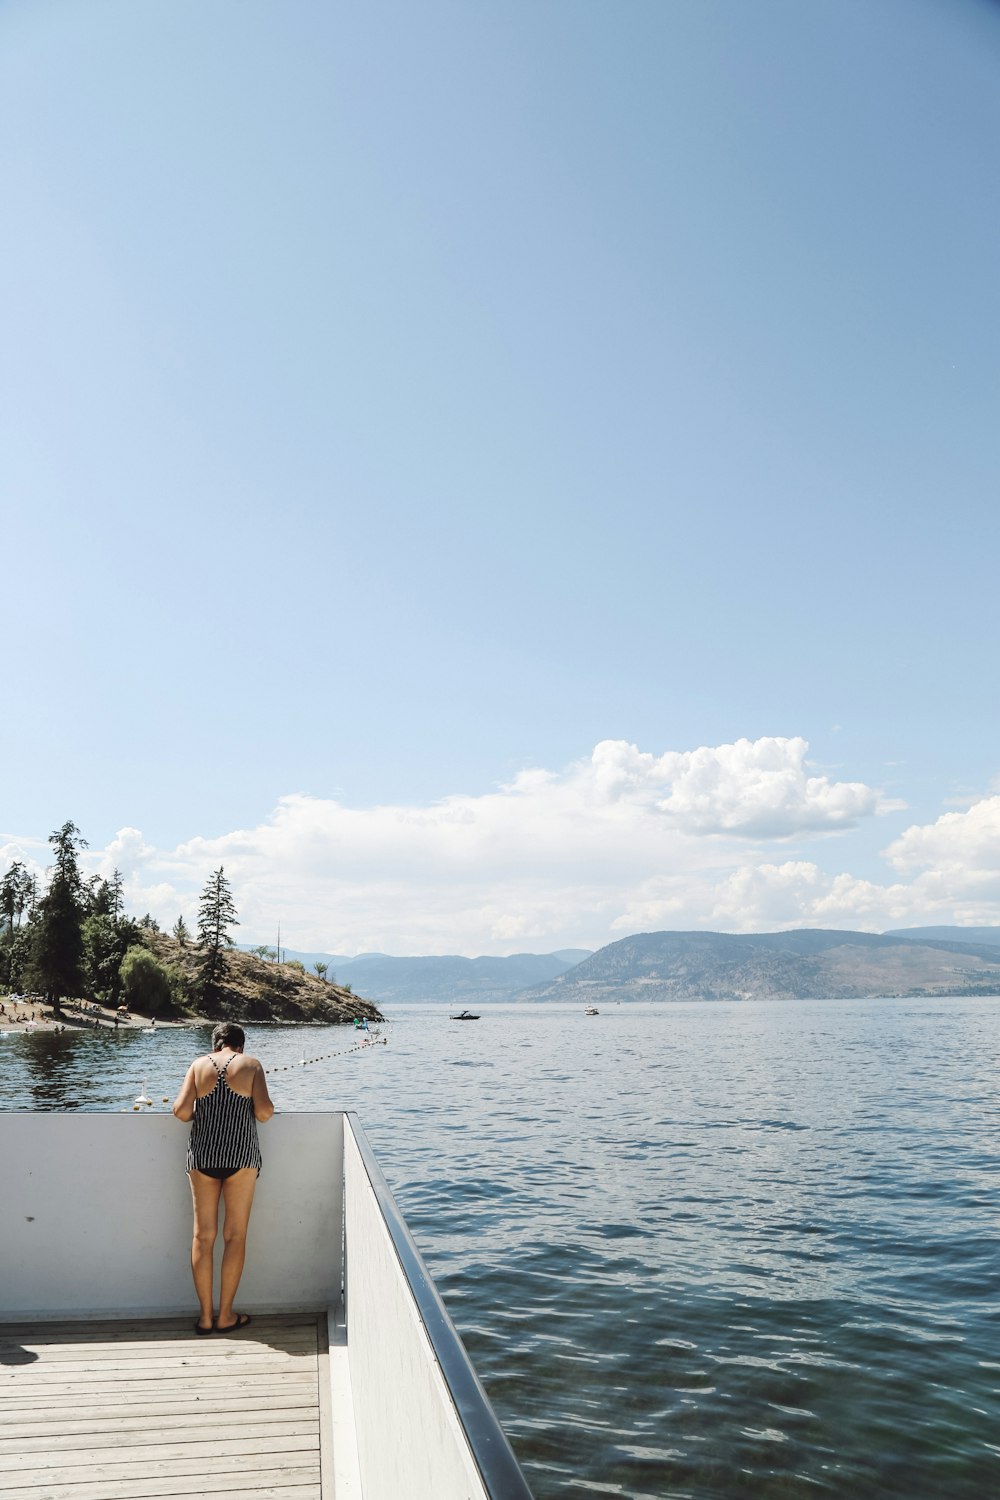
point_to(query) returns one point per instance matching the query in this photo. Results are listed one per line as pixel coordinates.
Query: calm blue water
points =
(714, 1251)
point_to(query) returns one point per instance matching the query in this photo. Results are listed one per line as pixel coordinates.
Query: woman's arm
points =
(262, 1106)
(184, 1103)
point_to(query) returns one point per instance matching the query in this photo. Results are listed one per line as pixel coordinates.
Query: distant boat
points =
(465, 1015)
(592, 1011)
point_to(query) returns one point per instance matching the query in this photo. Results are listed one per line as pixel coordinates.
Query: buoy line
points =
(378, 1041)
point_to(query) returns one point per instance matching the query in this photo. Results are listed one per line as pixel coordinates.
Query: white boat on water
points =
(350, 1384)
(592, 1010)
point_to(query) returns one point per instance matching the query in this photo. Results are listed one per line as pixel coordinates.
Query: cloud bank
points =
(618, 842)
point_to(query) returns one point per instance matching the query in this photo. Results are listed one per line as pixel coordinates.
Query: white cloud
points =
(753, 788)
(621, 841)
(618, 840)
(966, 844)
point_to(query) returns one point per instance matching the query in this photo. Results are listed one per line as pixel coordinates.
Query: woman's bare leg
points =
(205, 1191)
(238, 1193)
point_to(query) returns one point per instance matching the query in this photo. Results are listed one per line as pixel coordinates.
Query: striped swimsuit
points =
(223, 1131)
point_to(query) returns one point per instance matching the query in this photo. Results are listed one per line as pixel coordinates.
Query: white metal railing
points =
(425, 1427)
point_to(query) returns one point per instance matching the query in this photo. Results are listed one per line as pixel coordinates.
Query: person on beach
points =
(223, 1095)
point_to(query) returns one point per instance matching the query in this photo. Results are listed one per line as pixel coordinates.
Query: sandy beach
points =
(33, 1014)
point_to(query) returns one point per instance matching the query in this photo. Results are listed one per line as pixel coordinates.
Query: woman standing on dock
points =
(223, 1095)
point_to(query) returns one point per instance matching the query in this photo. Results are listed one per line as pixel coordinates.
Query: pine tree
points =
(15, 894)
(56, 964)
(216, 914)
(181, 932)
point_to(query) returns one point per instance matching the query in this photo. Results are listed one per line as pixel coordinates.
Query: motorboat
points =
(464, 1015)
(592, 1010)
(350, 1383)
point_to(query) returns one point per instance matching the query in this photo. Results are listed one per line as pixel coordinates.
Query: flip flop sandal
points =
(243, 1320)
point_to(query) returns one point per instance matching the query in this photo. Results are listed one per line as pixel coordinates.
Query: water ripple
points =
(713, 1251)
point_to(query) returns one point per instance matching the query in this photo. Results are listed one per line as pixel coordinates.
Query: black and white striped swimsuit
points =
(223, 1131)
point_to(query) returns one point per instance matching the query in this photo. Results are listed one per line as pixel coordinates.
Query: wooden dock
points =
(149, 1411)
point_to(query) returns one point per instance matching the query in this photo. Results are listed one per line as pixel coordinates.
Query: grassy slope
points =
(252, 990)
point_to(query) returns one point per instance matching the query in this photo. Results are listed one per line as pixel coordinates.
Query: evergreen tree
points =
(15, 896)
(181, 932)
(116, 898)
(56, 963)
(94, 896)
(216, 914)
(108, 900)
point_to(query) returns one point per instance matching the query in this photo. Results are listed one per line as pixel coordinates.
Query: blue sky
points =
(398, 399)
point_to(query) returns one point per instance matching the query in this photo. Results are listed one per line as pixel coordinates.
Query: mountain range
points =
(803, 964)
(444, 977)
(808, 963)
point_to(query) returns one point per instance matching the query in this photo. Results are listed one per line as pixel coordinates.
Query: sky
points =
(501, 476)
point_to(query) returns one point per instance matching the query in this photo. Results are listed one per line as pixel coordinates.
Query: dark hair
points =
(228, 1034)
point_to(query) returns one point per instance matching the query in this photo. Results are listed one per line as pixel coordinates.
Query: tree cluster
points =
(74, 940)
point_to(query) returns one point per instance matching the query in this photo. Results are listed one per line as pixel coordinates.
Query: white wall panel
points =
(95, 1216)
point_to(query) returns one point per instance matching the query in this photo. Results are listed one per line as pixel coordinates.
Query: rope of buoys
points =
(377, 1041)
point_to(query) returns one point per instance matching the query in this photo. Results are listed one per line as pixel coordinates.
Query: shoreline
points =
(86, 1016)
(37, 1015)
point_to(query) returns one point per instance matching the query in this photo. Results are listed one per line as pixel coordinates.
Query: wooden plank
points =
(154, 1450)
(266, 1484)
(164, 1349)
(224, 1400)
(205, 1414)
(207, 1350)
(116, 1332)
(85, 1468)
(89, 1335)
(60, 1448)
(146, 1410)
(223, 1356)
(97, 1392)
(142, 1328)
(117, 1381)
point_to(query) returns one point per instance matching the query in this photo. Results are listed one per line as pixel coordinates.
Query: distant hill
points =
(977, 936)
(809, 963)
(448, 978)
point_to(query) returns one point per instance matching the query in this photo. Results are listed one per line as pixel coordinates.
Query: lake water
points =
(706, 1250)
